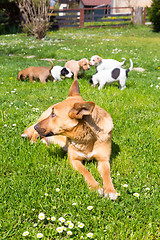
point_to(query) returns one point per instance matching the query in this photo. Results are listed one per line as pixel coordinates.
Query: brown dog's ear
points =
(74, 89)
(81, 109)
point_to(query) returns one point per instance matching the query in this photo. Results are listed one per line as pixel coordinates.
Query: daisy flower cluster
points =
(136, 194)
(61, 225)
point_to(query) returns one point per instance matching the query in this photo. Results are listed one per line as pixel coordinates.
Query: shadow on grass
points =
(55, 150)
(115, 151)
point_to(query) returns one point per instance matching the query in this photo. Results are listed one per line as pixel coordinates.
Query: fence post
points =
(138, 15)
(132, 19)
(144, 16)
(81, 23)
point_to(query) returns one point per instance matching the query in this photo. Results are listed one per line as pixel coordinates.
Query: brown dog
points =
(78, 67)
(85, 130)
(36, 73)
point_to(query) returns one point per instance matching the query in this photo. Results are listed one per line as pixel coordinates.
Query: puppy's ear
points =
(99, 59)
(80, 62)
(19, 75)
(81, 109)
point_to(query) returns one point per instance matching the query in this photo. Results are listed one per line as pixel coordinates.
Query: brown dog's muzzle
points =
(42, 131)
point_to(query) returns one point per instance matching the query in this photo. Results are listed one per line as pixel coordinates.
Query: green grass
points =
(29, 171)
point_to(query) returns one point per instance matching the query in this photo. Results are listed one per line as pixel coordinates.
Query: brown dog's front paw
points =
(111, 195)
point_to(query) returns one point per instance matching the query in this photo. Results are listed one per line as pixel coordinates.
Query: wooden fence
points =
(90, 17)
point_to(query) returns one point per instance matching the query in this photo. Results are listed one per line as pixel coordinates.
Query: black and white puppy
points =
(112, 75)
(58, 71)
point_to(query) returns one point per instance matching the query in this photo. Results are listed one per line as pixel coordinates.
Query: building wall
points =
(130, 3)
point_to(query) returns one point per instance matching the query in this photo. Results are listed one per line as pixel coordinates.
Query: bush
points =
(154, 15)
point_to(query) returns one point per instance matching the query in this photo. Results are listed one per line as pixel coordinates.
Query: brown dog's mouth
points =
(42, 132)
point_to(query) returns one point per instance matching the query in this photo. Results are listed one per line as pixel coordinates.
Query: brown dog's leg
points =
(75, 76)
(104, 169)
(42, 79)
(92, 183)
(31, 79)
(34, 137)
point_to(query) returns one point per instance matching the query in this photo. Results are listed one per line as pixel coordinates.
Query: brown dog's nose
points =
(40, 130)
(36, 127)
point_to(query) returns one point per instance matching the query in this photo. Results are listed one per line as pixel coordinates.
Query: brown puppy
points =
(85, 130)
(36, 73)
(78, 67)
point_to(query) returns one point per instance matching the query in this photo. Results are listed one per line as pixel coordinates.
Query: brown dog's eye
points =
(53, 114)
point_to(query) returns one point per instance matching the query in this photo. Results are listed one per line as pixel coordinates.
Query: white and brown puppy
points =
(85, 130)
(104, 64)
(78, 67)
(112, 75)
(58, 71)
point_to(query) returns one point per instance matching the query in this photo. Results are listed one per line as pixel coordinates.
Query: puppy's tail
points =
(131, 67)
(51, 65)
(124, 60)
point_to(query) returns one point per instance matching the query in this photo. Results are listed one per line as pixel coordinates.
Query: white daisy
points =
(71, 225)
(53, 219)
(46, 194)
(125, 185)
(90, 207)
(74, 204)
(35, 225)
(68, 222)
(39, 235)
(57, 189)
(69, 233)
(26, 233)
(147, 188)
(80, 225)
(136, 194)
(90, 235)
(59, 229)
(61, 219)
(41, 216)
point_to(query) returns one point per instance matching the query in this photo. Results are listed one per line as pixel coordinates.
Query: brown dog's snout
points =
(42, 131)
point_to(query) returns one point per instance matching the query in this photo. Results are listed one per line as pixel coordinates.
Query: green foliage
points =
(31, 173)
(154, 15)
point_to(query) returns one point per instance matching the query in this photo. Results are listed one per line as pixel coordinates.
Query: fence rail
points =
(90, 17)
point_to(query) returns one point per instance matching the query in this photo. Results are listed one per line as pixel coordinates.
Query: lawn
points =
(36, 179)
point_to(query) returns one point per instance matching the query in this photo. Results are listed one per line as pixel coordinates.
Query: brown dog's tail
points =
(51, 65)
